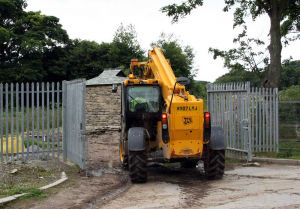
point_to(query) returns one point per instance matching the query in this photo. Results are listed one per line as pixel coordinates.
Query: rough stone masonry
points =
(103, 115)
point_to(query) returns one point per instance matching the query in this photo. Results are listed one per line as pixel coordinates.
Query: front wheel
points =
(138, 166)
(214, 164)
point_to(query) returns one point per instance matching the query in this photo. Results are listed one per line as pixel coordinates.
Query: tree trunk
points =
(272, 78)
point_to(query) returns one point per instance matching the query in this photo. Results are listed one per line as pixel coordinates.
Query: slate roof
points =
(107, 77)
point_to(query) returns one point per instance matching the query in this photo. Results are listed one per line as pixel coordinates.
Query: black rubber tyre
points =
(138, 167)
(124, 164)
(188, 164)
(214, 164)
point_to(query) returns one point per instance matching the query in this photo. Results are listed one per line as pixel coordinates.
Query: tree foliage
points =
(181, 57)
(284, 23)
(290, 94)
(125, 47)
(198, 88)
(240, 75)
(86, 59)
(246, 56)
(179, 11)
(25, 38)
(290, 75)
(35, 47)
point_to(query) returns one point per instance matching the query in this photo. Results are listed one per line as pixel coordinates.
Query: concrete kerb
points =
(277, 161)
(63, 178)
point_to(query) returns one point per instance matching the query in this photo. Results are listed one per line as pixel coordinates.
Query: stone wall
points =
(103, 108)
(103, 115)
(103, 149)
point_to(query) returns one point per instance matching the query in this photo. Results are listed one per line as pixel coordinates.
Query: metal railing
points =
(30, 121)
(249, 116)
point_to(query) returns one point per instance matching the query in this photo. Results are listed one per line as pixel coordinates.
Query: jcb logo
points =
(187, 120)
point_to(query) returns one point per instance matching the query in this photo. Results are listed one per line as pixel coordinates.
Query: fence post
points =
(48, 116)
(32, 120)
(64, 101)
(57, 119)
(27, 120)
(83, 129)
(6, 118)
(22, 118)
(43, 118)
(277, 120)
(17, 118)
(11, 121)
(52, 117)
(38, 119)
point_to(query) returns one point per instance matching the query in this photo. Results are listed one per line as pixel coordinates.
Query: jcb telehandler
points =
(158, 114)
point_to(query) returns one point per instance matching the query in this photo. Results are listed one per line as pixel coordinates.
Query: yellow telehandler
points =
(159, 115)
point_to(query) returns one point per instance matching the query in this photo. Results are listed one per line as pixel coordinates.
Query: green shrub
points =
(290, 94)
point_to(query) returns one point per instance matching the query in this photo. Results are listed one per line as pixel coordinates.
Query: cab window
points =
(143, 99)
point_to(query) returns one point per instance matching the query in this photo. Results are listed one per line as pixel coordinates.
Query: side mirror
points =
(183, 80)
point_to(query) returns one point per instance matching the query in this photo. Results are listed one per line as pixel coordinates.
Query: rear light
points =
(206, 119)
(165, 131)
(207, 127)
(164, 120)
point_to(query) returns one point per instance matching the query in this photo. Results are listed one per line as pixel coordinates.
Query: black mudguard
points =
(217, 139)
(136, 139)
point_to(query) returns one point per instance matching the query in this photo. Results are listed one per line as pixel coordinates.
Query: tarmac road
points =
(268, 186)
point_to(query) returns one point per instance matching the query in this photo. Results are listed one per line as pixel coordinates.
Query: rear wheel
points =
(138, 166)
(214, 164)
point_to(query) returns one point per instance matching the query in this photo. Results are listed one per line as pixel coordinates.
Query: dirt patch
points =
(79, 191)
(268, 186)
(167, 187)
(82, 195)
(18, 177)
(149, 195)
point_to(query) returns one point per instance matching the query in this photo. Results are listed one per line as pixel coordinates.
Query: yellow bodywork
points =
(185, 115)
(12, 142)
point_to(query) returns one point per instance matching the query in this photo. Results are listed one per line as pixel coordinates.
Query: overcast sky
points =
(207, 26)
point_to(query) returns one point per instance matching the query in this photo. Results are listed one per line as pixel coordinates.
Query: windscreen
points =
(143, 98)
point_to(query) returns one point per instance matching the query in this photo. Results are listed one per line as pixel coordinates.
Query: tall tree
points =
(25, 37)
(125, 46)
(85, 59)
(284, 22)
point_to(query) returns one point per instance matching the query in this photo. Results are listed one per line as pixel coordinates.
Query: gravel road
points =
(268, 186)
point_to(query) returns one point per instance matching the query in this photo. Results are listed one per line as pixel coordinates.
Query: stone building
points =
(103, 115)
